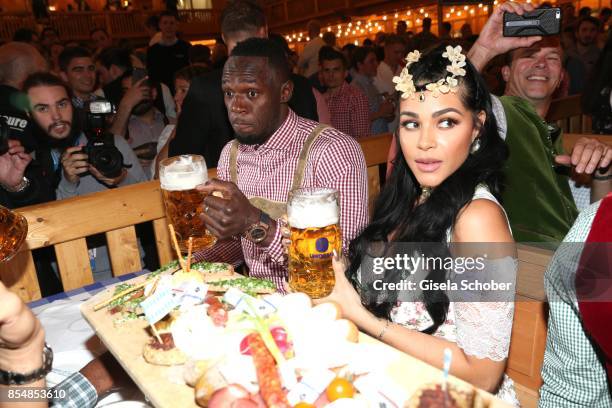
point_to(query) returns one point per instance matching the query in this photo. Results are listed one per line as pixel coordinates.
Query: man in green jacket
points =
(537, 197)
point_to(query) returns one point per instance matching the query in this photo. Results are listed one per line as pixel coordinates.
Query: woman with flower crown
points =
(443, 189)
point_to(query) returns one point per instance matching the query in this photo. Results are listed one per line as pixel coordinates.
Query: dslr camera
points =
(101, 150)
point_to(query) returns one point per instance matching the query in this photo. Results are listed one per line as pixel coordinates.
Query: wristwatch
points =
(12, 378)
(25, 182)
(258, 232)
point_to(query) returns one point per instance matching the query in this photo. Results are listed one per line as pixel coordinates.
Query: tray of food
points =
(211, 337)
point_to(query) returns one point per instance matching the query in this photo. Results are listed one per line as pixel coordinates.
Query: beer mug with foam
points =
(314, 222)
(13, 231)
(179, 177)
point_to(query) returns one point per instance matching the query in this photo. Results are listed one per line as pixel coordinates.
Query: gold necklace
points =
(425, 193)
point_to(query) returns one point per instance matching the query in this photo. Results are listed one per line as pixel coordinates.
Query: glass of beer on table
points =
(13, 231)
(179, 177)
(314, 222)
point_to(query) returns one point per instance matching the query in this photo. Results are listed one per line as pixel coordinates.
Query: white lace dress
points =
(480, 329)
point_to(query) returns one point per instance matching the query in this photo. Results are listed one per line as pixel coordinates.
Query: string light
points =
(409, 13)
(396, 15)
(356, 42)
(486, 8)
(359, 23)
(421, 11)
(350, 24)
(472, 10)
(307, 38)
(385, 17)
(465, 7)
(418, 21)
(459, 13)
(447, 15)
(426, 15)
(480, 5)
(452, 9)
(328, 29)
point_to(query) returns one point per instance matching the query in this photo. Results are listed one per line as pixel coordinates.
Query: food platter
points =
(164, 386)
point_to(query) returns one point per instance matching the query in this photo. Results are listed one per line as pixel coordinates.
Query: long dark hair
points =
(396, 211)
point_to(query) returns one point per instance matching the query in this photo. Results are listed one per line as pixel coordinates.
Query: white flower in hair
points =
(453, 54)
(456, 69)
(413, 56)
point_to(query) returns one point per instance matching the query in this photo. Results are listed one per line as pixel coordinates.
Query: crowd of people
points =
(465, 166)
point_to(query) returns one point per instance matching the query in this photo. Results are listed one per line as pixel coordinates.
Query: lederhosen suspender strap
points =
(298, 176)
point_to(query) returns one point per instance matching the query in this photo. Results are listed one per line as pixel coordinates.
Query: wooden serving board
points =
(126, 343)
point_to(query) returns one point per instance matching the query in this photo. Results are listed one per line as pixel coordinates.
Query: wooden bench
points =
(567, 113)
(65, 224)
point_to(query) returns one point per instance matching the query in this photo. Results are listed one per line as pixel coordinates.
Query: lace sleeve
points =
(484, 327)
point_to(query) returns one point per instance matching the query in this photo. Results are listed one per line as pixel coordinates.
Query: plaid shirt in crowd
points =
(76, 392)
(335, 161)
(349, 110)
(573, 374)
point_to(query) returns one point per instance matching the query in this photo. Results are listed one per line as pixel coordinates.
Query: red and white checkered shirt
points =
(334, 161)
(349, 110)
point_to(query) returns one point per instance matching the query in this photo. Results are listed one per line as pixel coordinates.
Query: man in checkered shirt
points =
(274, 147)
(573, 372)
(348, 105)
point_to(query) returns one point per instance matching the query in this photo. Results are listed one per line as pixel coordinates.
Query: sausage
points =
(270, 387)
(227, 397)
(216, 311)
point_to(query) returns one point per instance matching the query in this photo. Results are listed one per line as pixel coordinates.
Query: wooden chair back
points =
(567, 113)
(65, 224)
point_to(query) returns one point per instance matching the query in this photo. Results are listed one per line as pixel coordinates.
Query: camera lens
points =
(107, 159)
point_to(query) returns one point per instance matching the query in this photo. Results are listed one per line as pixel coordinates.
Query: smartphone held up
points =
(544, 22)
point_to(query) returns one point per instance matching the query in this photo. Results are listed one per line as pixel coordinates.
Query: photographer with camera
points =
(78, 162)
(85, 163)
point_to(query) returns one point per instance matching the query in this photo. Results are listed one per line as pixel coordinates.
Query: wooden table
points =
(126, 344)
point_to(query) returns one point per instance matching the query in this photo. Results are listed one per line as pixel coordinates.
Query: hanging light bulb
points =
(396, 15)
(421, 11)
(385, 18)
(426, 15)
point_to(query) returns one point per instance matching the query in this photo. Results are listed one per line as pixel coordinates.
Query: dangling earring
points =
(475, 145)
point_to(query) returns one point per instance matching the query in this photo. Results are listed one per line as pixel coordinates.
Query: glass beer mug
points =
(179, 177)
(13, 231)
(313, 215)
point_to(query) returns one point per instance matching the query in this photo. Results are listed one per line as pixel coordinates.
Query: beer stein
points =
(13, 231)
(313, 215)
(179, 177)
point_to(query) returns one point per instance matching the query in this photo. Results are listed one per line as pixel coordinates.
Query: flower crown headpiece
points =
(405, 84)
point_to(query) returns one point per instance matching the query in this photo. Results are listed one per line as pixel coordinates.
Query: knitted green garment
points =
(537, 198)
